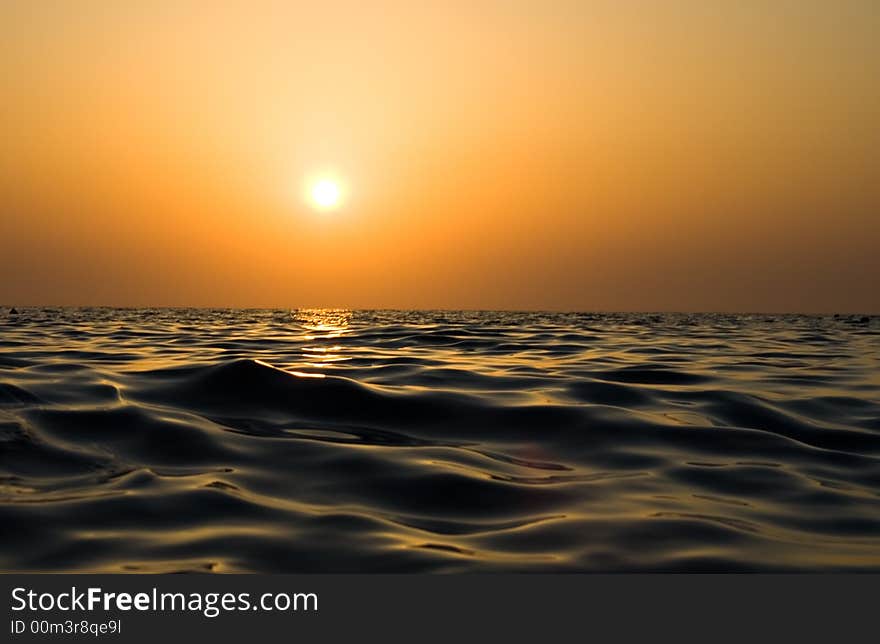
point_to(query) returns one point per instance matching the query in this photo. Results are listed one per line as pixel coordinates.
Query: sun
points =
(326, 194)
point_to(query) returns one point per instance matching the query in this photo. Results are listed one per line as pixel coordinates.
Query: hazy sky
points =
(562, 154)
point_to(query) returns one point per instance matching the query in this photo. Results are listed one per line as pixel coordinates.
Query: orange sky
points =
(564, 154)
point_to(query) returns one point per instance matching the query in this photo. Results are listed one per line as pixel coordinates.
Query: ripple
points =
(178, 440)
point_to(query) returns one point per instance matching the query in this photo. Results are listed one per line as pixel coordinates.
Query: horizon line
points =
(442, 309)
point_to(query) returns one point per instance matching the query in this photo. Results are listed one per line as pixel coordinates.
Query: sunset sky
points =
(556, 154)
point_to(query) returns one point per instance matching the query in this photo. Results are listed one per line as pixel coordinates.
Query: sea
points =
(194, 440)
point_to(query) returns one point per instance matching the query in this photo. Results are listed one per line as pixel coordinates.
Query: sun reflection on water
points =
(321, 325)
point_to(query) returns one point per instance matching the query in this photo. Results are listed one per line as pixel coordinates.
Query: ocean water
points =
(406, 441)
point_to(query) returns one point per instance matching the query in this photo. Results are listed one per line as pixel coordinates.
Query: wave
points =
(338, 441)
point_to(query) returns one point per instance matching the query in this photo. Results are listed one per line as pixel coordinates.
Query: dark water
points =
(168, 440)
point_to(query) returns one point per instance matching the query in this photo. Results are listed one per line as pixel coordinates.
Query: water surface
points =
(406, 441)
